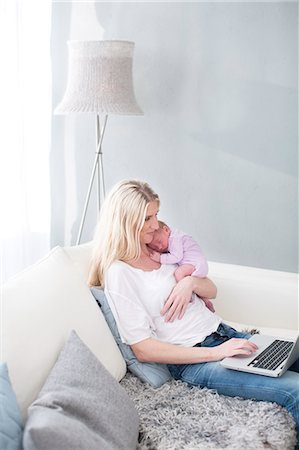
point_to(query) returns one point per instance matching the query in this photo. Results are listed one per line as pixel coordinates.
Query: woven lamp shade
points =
(100, 79)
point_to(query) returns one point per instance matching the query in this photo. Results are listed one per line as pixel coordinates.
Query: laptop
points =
(273, 357)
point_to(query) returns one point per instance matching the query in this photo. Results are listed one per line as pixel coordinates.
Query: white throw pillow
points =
(80, 256)
(40, 307)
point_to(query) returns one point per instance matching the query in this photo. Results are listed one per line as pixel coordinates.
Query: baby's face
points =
(160, 240)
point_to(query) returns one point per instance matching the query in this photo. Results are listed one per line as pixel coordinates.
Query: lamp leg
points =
(101, 181)
(98, 137)
(100, 167)
(98, 159)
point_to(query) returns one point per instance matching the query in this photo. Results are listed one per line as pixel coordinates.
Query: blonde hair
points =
(117, 236)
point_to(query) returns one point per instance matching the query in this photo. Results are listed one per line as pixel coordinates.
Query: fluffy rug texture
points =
(179, 417)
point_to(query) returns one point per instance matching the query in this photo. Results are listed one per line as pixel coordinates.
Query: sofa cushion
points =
(153, 373)
(252, 295)
(40, 307)
(81, 406)
(10, 417)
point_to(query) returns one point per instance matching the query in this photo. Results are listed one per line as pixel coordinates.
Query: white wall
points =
(218, 140)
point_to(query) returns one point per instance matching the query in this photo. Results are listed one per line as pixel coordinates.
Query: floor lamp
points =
(99, 81)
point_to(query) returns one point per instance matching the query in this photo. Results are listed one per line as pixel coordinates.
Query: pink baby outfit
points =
(182, 249)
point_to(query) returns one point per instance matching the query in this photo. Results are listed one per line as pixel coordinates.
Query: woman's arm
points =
(177, 302)
(152, 350)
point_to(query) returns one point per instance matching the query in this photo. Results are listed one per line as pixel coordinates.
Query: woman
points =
(167, 322)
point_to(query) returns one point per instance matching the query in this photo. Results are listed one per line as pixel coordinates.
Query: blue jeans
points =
(283, 390)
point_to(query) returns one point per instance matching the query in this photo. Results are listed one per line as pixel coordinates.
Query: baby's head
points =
(160, 239)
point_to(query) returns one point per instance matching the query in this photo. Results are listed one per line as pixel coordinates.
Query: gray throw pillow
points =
(81, 406)
(153, 373)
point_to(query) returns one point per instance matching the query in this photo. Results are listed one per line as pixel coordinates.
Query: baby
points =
(174, 247)
(171, 246)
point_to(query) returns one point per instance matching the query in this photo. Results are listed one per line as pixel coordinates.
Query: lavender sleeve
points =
(183, 249)
(175, 251)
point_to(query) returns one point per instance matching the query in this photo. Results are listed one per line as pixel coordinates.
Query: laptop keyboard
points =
(273, 355)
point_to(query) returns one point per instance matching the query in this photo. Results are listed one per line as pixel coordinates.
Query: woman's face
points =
(150, 223)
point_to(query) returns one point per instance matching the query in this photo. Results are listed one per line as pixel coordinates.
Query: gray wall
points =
(218, 140)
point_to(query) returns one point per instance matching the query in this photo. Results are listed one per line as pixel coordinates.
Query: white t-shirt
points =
(136, 298)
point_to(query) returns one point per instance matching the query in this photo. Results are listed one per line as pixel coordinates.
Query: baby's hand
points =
(209, 304)
(155, 256)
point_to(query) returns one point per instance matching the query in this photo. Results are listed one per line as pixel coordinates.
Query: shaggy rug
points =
(179, 417)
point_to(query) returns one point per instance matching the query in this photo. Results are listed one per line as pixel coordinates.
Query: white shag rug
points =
(179, 417)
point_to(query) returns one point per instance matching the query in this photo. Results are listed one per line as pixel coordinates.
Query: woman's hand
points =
(176, 304)
(234, 347)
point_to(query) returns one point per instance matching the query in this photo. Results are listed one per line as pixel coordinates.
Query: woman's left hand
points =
(176, 304)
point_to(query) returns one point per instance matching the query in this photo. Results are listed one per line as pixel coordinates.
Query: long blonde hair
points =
(117, 236)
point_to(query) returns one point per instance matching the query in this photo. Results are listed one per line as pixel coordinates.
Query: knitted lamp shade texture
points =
(100, 79)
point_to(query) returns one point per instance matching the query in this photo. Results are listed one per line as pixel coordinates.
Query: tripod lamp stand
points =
(99, 81)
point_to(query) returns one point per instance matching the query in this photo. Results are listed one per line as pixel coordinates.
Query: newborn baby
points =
(171, 246)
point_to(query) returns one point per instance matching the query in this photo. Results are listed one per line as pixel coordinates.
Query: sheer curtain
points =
(25, 125)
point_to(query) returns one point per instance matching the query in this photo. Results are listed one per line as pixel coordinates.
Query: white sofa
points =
(41, 305)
